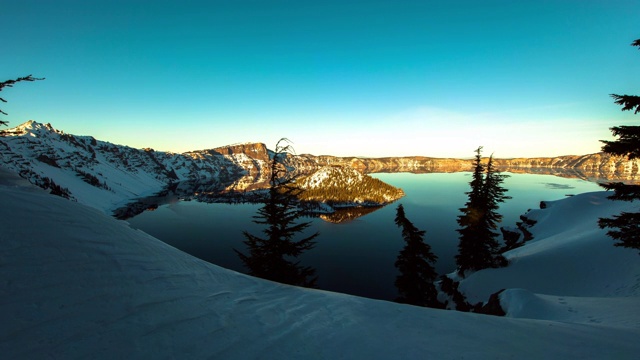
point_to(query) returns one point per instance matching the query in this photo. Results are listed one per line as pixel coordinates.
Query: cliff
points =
(593, 167)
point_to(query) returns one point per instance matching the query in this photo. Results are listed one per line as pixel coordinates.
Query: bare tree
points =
(9, 83)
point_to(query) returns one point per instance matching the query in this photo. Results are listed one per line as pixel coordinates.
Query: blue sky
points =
(362, 78)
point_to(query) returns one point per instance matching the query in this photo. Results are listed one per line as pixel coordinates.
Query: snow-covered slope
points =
(570, 271)
(77, 283)
(104, 175)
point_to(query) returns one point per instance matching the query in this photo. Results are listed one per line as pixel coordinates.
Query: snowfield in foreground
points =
(76, 283)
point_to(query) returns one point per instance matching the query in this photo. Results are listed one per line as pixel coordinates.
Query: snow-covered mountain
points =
(97, 172)
(94, 172)
(77, 283)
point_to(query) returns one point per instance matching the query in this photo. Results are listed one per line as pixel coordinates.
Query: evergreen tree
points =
(273, 256)
(494, 194)
(478, 247)
(625, 226)
(415, 263)
(10, 83)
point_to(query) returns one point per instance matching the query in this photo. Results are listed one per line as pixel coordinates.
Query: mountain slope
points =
(97, 172)
(84, 285)
(339, 185)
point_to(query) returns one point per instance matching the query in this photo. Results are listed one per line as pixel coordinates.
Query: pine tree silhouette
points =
(625, 226)
(274, 255)
(415, 263)
(478, 248)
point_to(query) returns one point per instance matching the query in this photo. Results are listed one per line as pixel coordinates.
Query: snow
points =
(582, 310)
(568, 256)
(127, 173)
(345, 175)
(76, 283)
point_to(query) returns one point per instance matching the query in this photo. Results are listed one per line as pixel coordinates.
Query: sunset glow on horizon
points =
(357, 78)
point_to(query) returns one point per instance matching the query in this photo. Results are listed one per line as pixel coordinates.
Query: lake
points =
(355, 257)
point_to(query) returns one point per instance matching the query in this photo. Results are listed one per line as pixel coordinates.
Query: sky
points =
(345, 78)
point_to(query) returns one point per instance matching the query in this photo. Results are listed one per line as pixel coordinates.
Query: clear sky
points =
(362, 78)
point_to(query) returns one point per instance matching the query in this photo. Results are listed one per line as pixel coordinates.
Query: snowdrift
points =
(570, 271)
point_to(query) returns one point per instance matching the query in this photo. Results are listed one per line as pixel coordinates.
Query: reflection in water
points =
(354, 257)
(273, 256)
(347, 214)
(415, 262)
(559, 186)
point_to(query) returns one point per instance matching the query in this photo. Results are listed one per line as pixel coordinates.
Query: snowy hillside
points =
(105, 175)
(79, 284)
(570, 270)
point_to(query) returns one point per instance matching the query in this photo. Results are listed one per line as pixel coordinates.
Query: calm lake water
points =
(356, 257)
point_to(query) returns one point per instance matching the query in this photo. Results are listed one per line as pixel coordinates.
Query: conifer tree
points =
(415, 262)
(10, 83)
(625, 226)
(494, 194)
(274, 255)
(478, 247)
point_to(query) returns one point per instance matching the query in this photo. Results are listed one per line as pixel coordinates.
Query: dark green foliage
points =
(338, 190)
(628, 143)
(47, 183)
(91, 179)
(625, 227)
(478, 248)
(492, 307)
(494, 194)
(273, 256)
(628, 229)
(10, 83)
(511, 239)
(623, 191)
(628, 102)
(450, 287)
(415, 262)
(47, 160)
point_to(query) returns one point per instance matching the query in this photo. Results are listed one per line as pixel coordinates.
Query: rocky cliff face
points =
(597, 166)
(594, 167)
(252, 159)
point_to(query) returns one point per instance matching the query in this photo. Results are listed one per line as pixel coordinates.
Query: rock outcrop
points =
(344, 186)
(592, 167)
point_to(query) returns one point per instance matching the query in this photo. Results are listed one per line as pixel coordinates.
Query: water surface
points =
(355, 257)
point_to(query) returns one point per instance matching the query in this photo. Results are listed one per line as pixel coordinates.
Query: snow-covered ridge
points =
(81, 284)
(105, 175)
(109, 176)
